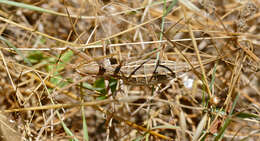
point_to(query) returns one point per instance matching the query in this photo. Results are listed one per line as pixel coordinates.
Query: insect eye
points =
(117, 69)
(113, 61)
(101, 71)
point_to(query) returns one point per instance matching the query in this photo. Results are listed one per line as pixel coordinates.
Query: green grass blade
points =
(174, 2)
(16, 50)
(223, 129)
(234, 104)
(65, 58)
(66, 129)
(213, 77)
(163, 19)
(227, 121)
(85, 126)
(165, 13)
(27, 6)
(247, 115)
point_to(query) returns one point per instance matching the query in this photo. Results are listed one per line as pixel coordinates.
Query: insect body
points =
(143, 72)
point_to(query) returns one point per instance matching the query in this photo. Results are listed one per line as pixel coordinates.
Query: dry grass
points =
(46, 96)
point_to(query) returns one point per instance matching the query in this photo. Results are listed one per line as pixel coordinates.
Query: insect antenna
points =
(167, 68)
(154, 72)
(136, 69)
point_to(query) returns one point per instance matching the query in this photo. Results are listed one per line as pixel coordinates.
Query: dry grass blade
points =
(58, 106)
(183, 126)
(72, 69)
(190, 5)
(200, 127)
(7, 130)
(204, 78)
(88, 46)
(37, 32)
(133, 125)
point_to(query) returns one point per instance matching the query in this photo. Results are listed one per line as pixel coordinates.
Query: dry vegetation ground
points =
(46, 95)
